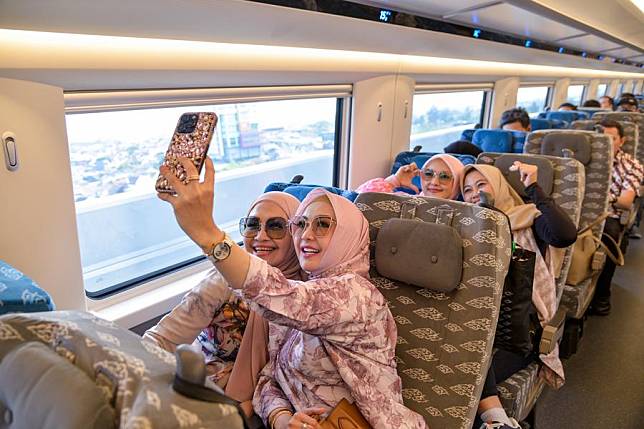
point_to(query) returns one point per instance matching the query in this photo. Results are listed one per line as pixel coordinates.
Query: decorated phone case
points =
(191, 139)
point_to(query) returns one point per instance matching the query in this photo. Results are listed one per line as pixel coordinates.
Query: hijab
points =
(253, 349)
(544, 289)
(348, 249)
(455, 167)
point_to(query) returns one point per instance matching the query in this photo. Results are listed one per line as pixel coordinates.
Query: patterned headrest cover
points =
(545, 175)
(493, 140)
(580, 144)
(586, 125)
(422, 254)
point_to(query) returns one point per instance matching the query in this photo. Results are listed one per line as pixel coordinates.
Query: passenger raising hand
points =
(406, 174)
(528, 172)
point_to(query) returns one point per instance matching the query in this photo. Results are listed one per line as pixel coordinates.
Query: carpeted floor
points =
(605, 380)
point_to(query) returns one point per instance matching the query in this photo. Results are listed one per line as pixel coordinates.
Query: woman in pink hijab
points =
(440, 178)
(333, 336)
(216, 319)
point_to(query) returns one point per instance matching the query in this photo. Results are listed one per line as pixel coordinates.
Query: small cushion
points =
(545, 175)
(427, 255)
(580, 144)
(41, 389)
(493, 140)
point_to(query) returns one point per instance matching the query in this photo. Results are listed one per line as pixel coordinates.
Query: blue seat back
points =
(20, 294)
(540, 124)
(567, 115)
(420, 158)
(590, 111)
(493, 140)
(518, 141)
(468, 134)
(300, 191)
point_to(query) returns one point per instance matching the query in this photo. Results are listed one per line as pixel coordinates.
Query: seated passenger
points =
(627, 103)
(606, 102)
(219, 321)
(567, 106)
(627, 177)
(331, 337)
(463, 147)
(591, 103)
(439, 178)
(516, 119)
(535, 225)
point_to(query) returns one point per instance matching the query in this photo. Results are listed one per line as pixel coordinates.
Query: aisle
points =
(605, 379)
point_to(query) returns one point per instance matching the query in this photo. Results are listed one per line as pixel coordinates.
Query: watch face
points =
(221, 251)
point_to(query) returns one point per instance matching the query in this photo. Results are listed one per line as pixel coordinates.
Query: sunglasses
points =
(443, 176)
(275, 227)
(319, 225)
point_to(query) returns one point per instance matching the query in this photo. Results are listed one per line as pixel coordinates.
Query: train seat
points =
(420, 158)
(493, 140)
(518, 141)
(444, 336)
(637, 118)
(631, 132)
(540, 124)
(140, 381)
(591, 110)
(468, 134)
(597, 161)
(300, 191)
(563, 180)
(567, 115)
(20, 294)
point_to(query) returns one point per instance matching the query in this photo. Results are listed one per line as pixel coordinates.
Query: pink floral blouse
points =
(330, 338)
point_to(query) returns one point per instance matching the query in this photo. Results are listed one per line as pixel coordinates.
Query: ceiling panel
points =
(424, 7)
(623, 53)
(510, 19)
(590, 43)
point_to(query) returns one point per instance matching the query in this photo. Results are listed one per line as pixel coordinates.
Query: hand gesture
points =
(528, 172)
(193, 202)
(405, 175)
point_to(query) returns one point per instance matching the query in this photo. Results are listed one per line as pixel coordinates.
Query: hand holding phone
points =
(191, 139)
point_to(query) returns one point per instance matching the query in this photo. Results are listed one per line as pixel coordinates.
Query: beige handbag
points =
(585, 256)
(345, 416)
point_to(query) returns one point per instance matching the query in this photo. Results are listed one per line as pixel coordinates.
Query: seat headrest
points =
(423, 254)
(493, 140)
(540, 124)
(545, 175)
(301, 191)
(468, 134)
(580, 144)
(566, 115)
(586, 125)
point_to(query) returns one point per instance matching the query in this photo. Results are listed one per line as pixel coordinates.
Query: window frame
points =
(549, 93)
(80, 102)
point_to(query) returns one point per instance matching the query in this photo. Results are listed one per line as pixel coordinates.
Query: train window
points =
(439, 118)
(601, 89)
(127, 235)
(576, 94)
(533, 98)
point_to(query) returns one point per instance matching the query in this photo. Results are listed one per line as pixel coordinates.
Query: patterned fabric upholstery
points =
(567, 192)
(520, 392)
(631, 134)
(637, 118)
(134, 375)
(595, 203)
(445, 339)
(20, 294)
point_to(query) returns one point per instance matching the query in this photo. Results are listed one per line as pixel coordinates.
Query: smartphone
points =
(191, 139)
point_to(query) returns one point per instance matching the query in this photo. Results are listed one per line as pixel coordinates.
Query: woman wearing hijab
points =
(336, 337)
(217, 320)
(439, 177)
(536, 225)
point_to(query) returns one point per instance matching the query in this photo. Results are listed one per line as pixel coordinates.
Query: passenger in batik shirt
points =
(333, 337)
(218, 321)
(627, 178)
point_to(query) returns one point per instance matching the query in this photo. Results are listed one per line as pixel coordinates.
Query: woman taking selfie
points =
(335, 335)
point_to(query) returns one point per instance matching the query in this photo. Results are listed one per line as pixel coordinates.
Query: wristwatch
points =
(221, 250)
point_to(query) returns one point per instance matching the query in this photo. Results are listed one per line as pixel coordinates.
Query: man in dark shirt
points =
(627, 177)
(516, 119)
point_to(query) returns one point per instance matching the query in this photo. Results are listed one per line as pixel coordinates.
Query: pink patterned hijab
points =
(348, 250)
(455, 167)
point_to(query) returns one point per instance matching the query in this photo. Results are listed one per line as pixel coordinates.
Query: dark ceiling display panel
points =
(392, 17)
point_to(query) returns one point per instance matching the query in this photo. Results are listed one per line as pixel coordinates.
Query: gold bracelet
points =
(276, 414)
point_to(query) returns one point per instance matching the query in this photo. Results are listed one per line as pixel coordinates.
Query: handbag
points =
(345, 415)
(518, 326)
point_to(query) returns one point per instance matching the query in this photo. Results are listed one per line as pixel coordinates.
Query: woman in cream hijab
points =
(218, 321)
(537, 225)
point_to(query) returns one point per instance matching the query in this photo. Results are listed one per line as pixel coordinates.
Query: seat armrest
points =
(552, 332)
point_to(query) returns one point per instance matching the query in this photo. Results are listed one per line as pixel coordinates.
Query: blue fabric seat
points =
(567, 115)
(301, 191)
(20, 294)
(540, 124)
(519, 141)
(420, 158)
(468, 134)
(494, 140)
